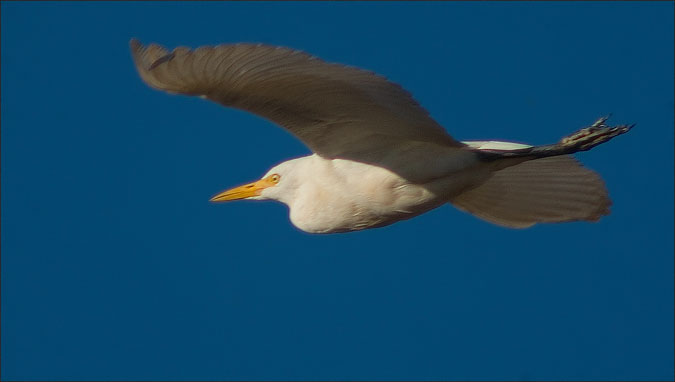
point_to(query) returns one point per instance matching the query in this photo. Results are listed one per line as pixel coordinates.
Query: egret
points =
(378, 157)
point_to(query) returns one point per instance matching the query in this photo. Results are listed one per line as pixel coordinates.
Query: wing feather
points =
(336, 110)
(545, 190)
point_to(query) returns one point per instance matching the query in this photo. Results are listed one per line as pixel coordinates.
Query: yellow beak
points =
(243, 192)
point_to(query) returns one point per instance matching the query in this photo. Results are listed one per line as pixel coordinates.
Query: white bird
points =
(378, 157)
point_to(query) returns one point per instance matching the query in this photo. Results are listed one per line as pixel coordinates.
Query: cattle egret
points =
(378, 157)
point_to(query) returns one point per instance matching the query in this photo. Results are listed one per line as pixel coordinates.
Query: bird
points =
(377, 155)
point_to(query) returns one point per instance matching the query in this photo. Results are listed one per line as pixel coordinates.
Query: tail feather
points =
(545, 190)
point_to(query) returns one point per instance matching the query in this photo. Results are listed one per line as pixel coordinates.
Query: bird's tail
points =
(550, 189)
(533, 184)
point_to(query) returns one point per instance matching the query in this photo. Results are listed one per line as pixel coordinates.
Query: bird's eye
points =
(275, 178)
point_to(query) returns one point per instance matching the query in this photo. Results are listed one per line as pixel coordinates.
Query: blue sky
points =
(115, 265)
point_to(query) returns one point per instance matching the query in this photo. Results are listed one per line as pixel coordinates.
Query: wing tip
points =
(134, 43)
(137, 51)
(148, 57)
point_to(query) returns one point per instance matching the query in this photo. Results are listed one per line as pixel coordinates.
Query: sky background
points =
(116, 266)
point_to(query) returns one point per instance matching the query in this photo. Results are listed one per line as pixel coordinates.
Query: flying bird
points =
(378, 157)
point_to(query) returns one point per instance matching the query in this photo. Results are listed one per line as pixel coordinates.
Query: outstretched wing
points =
(336, 110)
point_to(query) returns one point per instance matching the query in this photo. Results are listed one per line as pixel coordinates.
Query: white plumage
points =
(378, 156)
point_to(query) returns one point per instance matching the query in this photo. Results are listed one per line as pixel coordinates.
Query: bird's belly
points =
(364, 211)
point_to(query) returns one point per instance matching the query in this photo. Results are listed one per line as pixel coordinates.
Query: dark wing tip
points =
(137, 52)
(150, 56)
(134, 44)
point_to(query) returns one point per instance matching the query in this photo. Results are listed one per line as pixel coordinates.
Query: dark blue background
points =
(116, 266)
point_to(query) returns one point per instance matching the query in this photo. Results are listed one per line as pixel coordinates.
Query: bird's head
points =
(278, 183)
